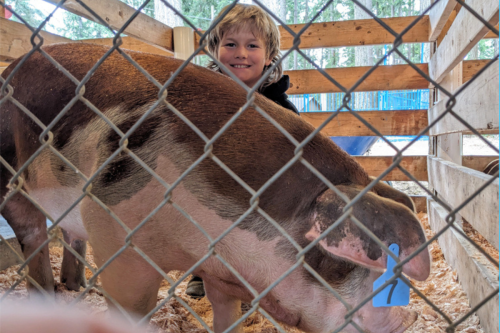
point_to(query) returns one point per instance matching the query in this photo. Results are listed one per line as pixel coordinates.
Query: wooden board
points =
(355, 33)
(465, 32)
(352, 33)
(477, 162)
(471, 67)
(456, 184)
(396, 77)
(451, 81)
(438, 16)
(490, 34)
(15, 39)
(448, 24)
(375, 165)
(454, 79)
(130, 43)
(3, 66)
(409, 122)
(477, 275)
(478, 105)
(420, 202)
(117, 13)
(449, 147)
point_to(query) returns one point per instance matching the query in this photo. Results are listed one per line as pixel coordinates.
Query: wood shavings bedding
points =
(479, 240)
(442, 288)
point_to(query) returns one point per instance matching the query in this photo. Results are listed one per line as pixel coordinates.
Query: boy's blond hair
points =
(255, 19)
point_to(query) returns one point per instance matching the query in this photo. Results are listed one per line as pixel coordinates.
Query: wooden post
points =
(2, 9)
(449, 146)
(183, 42)
(449, 180)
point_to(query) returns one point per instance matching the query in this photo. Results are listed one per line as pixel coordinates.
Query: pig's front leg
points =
(30, 228)
(226, 309)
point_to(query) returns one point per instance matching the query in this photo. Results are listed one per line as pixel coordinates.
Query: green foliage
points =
(27, 11)
(149, 9)
(201, 12)
(487, 49)
(76, 27)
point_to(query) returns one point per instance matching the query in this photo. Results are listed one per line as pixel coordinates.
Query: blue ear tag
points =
(395, 294)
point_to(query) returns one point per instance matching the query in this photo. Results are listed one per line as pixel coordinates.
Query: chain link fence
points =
(47, 143)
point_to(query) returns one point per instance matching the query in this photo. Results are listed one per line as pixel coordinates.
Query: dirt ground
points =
(442, 288)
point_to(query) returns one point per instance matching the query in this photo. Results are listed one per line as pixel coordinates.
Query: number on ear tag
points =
(395, 294)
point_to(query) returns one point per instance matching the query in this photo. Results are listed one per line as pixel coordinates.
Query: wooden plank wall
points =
(148, 35)
(478, 276)
(352, 33)
(15, 39)
(454, 177)
(465, 32)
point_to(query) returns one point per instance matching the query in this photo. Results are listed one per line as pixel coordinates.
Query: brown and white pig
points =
(251, 147)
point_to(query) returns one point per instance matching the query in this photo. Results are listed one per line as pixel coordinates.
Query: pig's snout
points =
(419, 267)
(385, 320)
(380, 319)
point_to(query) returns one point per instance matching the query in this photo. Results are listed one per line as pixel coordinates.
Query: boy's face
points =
(244, 54)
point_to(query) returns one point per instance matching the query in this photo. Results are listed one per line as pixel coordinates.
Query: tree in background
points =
(74, 26)
(77, 27)
(166, 15)
(27, 11)
(201, 13)
(363, 54)
(485, 49)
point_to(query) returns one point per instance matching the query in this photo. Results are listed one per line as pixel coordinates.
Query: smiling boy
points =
(247, 42)
(245, 55)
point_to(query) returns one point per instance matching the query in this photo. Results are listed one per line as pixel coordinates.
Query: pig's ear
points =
(390, 222)
(351, 251)
(389, 192)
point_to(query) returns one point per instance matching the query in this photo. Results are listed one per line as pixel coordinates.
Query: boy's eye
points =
(230, 44)
(253, 46)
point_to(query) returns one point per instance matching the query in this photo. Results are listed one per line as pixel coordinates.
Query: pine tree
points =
(29, 13)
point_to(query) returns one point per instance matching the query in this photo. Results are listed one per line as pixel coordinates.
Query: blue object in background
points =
(7, 232)
(415, 99)
(395, 294)
(355, 145)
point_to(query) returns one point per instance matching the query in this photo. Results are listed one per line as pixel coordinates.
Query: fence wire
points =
(46, 138)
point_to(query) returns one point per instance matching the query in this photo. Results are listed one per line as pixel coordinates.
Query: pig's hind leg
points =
(72, 269)
(128, 279)
(226, 309)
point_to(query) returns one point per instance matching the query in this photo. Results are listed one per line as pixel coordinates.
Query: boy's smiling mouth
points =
(240, 66)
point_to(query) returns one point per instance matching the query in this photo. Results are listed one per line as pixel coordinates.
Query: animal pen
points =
(461, 201)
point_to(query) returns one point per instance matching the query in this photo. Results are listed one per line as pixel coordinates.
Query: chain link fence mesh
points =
(47, 143)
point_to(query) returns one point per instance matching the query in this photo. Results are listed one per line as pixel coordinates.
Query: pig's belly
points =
(56, 202)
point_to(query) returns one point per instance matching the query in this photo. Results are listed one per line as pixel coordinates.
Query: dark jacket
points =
(276, 92)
